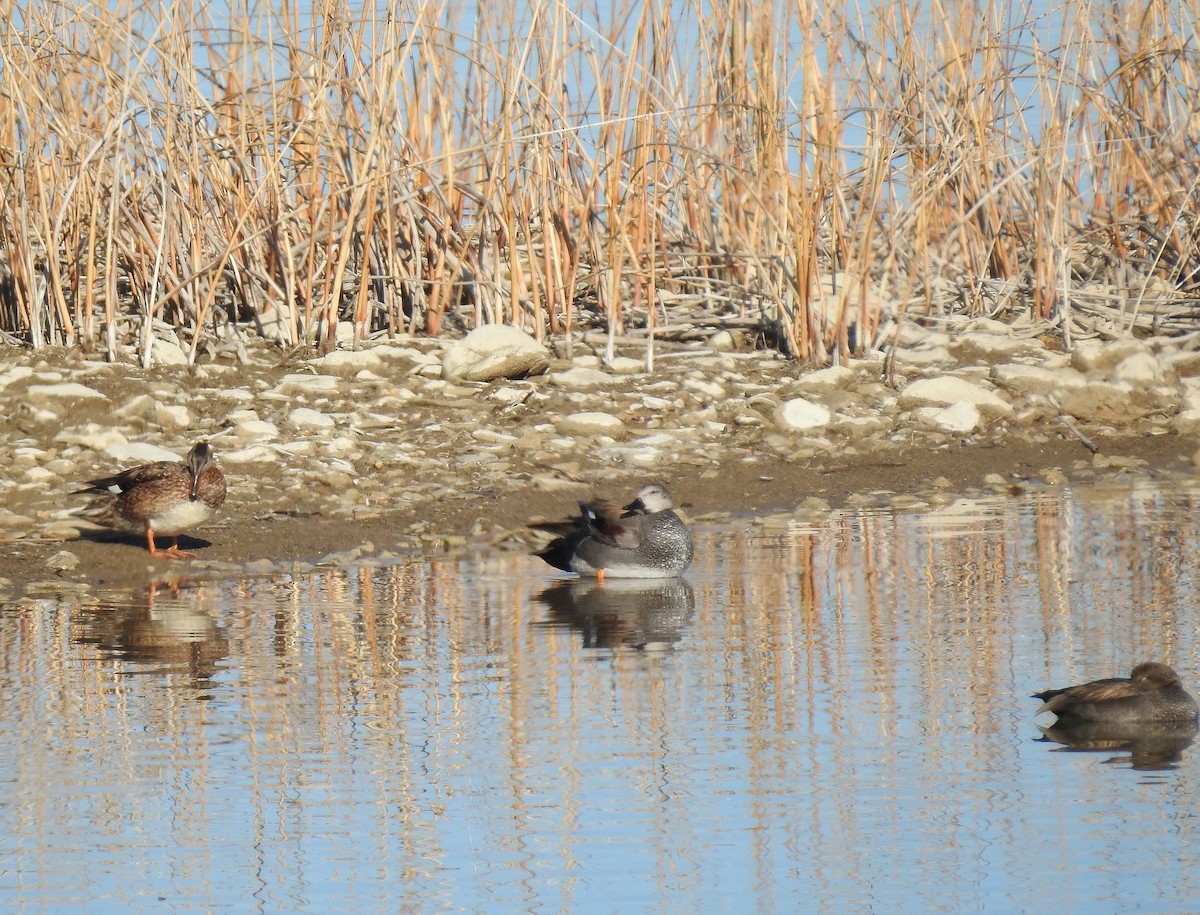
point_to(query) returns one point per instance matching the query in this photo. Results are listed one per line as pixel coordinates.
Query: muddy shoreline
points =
(242, 541)
(412, 446)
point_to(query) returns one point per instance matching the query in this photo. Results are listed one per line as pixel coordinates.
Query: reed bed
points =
(806, 177)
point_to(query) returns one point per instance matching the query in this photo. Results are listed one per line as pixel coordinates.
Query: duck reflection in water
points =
(1151, 744)
(170, 630)
(622, 613)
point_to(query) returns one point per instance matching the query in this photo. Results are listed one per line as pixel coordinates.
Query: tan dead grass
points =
(808, 174)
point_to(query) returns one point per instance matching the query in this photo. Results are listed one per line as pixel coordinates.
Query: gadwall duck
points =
(644, 539)
(1152, 693)
(164, 497)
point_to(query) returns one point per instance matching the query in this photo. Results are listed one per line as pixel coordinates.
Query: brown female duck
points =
(1153, 692)
(164, 497)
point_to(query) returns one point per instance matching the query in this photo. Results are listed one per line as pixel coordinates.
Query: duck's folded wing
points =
(136, 476)
(1097, 691)
(622, 533)
(1105, 690)
(590, 513)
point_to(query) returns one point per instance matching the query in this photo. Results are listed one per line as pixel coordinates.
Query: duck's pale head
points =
(651, 497)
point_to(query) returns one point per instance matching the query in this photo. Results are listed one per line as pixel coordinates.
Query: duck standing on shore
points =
(644, 539)
(1153, 692)
(163, 497)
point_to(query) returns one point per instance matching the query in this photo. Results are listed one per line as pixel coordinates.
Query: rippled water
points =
(828, 716)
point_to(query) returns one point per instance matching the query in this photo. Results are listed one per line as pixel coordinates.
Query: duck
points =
(643, 539)
(163, 497)
(1153, 692)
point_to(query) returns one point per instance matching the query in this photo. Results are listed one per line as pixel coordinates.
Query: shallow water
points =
(828, 715)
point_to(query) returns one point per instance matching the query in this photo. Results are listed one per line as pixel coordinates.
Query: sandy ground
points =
(239, 539)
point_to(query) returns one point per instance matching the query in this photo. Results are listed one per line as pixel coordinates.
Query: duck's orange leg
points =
(171, 552)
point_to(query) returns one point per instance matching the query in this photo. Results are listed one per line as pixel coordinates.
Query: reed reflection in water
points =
(831, 715)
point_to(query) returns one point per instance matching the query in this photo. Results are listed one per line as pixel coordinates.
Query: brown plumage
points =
(1153, 692)
(164, 497)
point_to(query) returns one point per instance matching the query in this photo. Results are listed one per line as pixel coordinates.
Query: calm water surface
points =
(827, 716)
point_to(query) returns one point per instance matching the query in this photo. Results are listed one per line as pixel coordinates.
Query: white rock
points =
(493, 436)
(651, 402)
(800, 415)
(590, 423)
(1116, 403)
(1140, 368)
(1097, 356)
(645, 457)
(62, 467)
(581, 378)
(62, 561)
(305, 418)
(987, 326)
(213, 371)
(301, 447)
(723, 342)
(912, 335)
(636, 453)
(659, 440)
(133, 453)
(344, 360)
(65, 390)
(230, 394)
(921, 357)
(946, 390)
(1187, 422)
(299, 383)
(992, 348)
(14, 373)
(709, 390)
(167, 352)
(416, 356)
(1035, 379)
(960, 417)
(509, 395)
(495, 351)
(822, 381)
(91, 435)
(138, 405)
(859, 427)
(341, 446)
(256, 430)
(626, 365)
(172, 416)
(26, 456)
(255, 454)
(40, 415)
